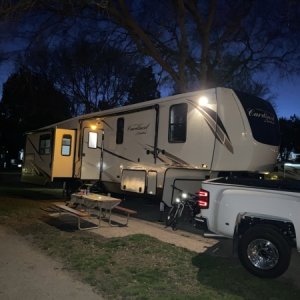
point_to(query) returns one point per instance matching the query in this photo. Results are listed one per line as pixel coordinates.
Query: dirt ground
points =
(27, 274)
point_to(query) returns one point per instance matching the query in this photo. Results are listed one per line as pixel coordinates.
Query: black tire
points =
(264, 251)
(172, 217)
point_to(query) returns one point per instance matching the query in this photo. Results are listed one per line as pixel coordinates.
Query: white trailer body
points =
(147, 148)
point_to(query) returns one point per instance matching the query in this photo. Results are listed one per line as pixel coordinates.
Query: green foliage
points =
(144, 87)
(29, 102)
(95, 74)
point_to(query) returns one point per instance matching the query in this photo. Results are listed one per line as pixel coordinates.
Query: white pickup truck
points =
(261, 216)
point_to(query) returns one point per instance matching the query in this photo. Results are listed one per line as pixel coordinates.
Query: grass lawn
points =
(134, 267)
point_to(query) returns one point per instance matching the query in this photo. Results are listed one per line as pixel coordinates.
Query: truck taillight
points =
(203, 199)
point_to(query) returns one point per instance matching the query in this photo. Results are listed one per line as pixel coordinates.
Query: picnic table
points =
(93, 205)
(99, 205)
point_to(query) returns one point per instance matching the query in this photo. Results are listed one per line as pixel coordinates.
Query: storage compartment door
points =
(63, 153)
(151, 182)
(133, 181)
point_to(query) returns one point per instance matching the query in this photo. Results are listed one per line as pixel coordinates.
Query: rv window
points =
(93, 136)
(120, 131)
(177, 123)
(45, 144)
(66, 145)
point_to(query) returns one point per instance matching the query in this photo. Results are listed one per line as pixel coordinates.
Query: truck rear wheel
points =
(264, 251)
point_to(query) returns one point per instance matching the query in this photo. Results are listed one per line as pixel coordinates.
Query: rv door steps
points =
(128, 211)
(79, 214)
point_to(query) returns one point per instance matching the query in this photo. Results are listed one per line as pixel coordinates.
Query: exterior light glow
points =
(93, 127)
(291, 165)
(203, 101)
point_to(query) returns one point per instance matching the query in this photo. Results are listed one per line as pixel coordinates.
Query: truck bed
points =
(282, 185)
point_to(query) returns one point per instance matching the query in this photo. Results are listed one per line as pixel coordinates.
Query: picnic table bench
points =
(127, 211)
(80, 214)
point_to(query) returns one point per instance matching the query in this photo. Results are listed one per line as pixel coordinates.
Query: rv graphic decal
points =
(174, 159)
(35, 170)
(116, 155)
(104, 122)
(267, 117)
(34, 148)
(138, 128)
(215, 124)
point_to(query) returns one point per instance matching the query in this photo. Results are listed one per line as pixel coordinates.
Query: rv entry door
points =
(63, 153)
(91, 155)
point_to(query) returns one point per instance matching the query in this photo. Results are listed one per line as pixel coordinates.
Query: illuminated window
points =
(66, 145)
(93, 137)
(120, 131)
(177, 123)
(45, 144)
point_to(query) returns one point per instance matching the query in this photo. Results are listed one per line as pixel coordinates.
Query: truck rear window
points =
(262, 119)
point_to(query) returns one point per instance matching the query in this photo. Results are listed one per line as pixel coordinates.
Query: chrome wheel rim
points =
(263, 254)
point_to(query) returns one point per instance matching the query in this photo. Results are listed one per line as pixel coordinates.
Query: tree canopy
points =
(195, 43)
(143, 87)
(93, 75)
(29, 102)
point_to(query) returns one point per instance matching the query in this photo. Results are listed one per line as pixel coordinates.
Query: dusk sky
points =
(288, 96)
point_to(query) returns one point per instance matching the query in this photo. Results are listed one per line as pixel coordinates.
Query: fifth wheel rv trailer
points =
(150, 147)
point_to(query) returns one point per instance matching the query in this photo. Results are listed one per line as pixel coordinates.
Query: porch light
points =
(93, 127)
(203, 100)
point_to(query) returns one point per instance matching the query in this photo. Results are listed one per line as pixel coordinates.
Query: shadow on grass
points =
(228, 277)
(67, 223)
(62, 223)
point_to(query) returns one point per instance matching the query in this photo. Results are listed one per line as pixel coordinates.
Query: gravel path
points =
(27, 274)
